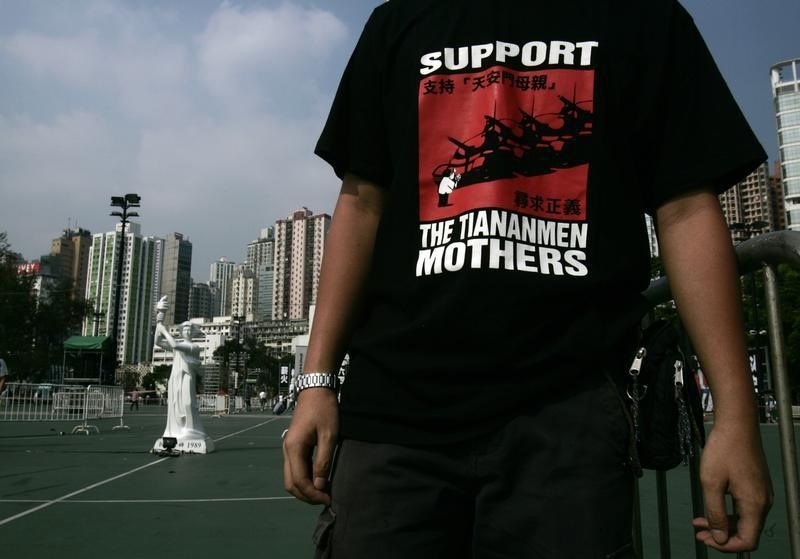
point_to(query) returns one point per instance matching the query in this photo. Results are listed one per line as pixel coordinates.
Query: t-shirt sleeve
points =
(697, 136)
(354, 138)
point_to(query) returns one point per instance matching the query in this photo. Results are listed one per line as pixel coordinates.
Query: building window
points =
(789, 119)
(792, 187)
(788, 102)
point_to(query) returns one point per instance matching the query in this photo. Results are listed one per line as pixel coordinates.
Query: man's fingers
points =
(297, 473)
(744, 535)
(323, 460)
(749, 524)
(751, 510)
(315, 423)
(716, 515)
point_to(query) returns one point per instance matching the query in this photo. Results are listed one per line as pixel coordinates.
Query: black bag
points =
(664, 401)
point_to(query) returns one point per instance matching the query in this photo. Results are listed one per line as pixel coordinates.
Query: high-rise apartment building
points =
(265, 275)
(299, 245)
(752, 206)
(69, 259)
(138, 295)
(260, 259)
(786, 98)
(262, 250)
(219, 276)
(202, 301)
(176, 278)
(244, 293)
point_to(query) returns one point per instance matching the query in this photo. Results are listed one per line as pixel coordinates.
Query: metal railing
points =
(61, 402)
(765, 251)
(212, 403)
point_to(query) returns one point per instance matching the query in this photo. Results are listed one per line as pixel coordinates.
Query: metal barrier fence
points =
(764, 251)
(212, 403)
(220, 405)
(61, 402)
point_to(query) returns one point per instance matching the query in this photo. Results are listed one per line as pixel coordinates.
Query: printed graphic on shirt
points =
(504, 170)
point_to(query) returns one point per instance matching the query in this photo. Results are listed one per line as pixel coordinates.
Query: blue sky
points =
(210, 109)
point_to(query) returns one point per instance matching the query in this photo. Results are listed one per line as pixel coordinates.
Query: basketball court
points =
(105, 495)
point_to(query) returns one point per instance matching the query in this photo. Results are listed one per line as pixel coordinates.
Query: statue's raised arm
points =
(163, 338)
(161, 308)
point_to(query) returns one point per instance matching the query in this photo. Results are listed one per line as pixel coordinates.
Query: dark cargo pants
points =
(551, 484)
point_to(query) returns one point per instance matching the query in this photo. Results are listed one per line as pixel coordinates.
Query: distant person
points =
(3, 374)
(135, 399)
(263, 397)
(280, 405)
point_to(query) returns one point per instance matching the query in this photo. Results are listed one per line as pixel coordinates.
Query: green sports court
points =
(103, 494)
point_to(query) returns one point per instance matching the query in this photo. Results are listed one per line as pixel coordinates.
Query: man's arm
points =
(701, 265)
(345, 265)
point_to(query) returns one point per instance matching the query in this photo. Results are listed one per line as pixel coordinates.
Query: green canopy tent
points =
(84, 357)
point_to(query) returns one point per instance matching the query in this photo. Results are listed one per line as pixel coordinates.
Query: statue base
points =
(187, 445)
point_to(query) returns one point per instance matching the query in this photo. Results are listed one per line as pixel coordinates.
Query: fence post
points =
(638, 545)
(85, 427)
(663, 515)
(780, 377)
(698, 507)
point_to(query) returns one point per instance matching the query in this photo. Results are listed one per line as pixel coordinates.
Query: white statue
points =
(183, 417)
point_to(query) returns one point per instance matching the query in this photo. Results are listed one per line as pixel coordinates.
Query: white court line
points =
(109, 480)
(78, 492)
(245, 430)
(137, 501)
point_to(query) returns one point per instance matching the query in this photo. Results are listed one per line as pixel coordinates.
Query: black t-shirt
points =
(520, 144)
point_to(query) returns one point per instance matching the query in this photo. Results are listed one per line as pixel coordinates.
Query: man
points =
(479, 417)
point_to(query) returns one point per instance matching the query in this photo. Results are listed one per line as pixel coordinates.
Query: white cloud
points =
(144, 77)
(235, 169)
(74, 60)
(74, 152)
(51, 172)
(152, 79)
(220, 183)
(213, 123)
(269, 54)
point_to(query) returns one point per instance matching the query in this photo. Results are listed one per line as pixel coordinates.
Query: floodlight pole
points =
(126, 202)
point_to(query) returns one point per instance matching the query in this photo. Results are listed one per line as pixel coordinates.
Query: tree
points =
(253, 354)
(57, 316)
(130, 379)
(789, 293)
(33, 329)
(17, 314)
(159, 376)
(225, 355)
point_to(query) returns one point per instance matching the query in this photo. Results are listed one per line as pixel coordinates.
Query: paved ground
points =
(104, 495)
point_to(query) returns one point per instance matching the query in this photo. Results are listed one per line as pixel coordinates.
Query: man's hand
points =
(315, 424)
(733, 463)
